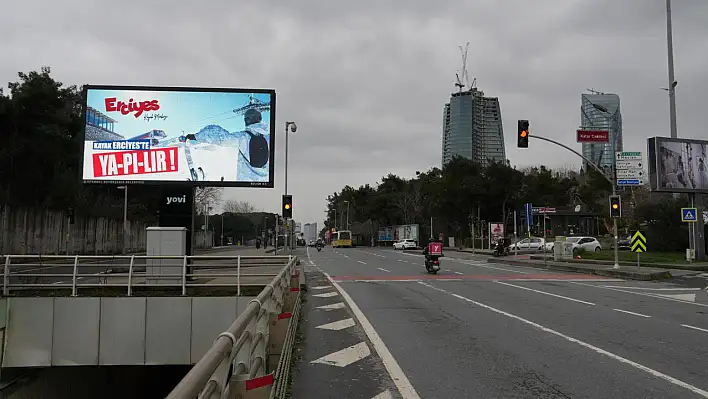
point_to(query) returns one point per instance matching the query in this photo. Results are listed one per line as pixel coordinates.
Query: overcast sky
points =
(366, 80)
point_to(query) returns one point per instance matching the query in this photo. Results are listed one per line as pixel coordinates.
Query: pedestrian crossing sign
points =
(689, 215)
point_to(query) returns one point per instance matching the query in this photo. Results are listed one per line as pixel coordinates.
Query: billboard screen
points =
(213, 137)
(386, 234)
(406, 232)
(678, 165)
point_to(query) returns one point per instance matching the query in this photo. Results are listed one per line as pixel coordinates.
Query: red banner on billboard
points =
(593, 136)
(125, 163)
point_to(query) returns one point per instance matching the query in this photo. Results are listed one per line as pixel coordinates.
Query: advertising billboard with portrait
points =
(212, 137)
(406, 232)
(678, 165)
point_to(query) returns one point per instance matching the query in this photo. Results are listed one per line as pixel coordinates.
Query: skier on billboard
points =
(253, 146)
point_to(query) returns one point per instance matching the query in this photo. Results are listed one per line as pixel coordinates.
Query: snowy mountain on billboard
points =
(213, 134)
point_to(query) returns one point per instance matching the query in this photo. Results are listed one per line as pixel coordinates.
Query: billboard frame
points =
(653, 159)
(240, 184)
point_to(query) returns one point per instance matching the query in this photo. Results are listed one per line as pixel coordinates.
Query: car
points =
(405, 244)
(311, 243)
(589, 244)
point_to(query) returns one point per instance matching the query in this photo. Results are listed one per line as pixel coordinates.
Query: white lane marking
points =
(638, 293)
(694, 328)
(346, 356)
(458, 273)
(321, 287)
(334, 306)
(345, 256)
(338, 325)
(596, 349)
(394, 370)
(632, 313)
(362, 262)
(374, 280)
(545, 293)
(384, 395)
(383, 270)
(448, 270)
(682, 297)
(400, 260)
(490, 267)
(650, 289)
(326, 295)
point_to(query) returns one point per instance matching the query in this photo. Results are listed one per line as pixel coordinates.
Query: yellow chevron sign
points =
(639, 242)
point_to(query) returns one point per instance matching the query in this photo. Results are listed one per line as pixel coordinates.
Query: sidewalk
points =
(625, 272)
(696, 266)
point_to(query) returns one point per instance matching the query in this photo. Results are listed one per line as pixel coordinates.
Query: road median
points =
(625, 272)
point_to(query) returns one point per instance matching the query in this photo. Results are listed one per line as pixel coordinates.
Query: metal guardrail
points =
(241, 350)
(52, 272)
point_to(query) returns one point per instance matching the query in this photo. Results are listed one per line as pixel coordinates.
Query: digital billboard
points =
(163, 135)
(678, 165)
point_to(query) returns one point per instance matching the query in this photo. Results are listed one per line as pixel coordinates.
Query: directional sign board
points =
(639, 243)
(630, 171)
(689, 215)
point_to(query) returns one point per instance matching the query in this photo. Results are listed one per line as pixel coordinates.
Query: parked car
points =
(528, 244)
(590, 244)
(405, 244)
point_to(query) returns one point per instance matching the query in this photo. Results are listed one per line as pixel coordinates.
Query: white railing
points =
(57, 272)
(239, 354)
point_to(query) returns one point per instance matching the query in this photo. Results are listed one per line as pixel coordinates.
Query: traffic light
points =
(288, 206)
(523, 136)
(615, 207)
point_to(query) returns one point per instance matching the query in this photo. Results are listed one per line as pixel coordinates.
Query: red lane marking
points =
(470, 277)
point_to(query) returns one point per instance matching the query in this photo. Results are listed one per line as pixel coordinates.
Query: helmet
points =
(431, 239)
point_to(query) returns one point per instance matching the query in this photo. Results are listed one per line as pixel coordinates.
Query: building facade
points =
(601, 111)
(310, 231)
(472, 128)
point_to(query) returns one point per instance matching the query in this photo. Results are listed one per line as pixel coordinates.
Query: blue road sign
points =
(689, 214)
(629, 182)
(528, 209)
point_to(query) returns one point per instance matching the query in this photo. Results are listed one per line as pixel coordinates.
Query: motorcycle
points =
(502, 248)
(319, 248)
(432, 264)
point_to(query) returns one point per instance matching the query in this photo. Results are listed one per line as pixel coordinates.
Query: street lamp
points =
(125, 217)
(613, 137)
(289, 127)
(347, 222)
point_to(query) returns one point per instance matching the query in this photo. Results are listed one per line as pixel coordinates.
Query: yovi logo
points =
(179, 200)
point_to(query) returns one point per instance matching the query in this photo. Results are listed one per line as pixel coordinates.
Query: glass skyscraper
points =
(601, 112)
(472, 128)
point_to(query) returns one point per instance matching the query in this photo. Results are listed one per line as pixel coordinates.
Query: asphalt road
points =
(479, 330)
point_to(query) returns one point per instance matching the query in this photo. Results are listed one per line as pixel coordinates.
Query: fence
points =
(32, 231)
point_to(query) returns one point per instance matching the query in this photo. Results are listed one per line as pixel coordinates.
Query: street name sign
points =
(630, 171)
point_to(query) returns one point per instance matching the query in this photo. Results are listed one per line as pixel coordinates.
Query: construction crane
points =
(464, 81)
(253, 103)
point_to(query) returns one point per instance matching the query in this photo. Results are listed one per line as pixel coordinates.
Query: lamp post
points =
(613, 137)
(347, 221)
(125, 218)
(289, 127)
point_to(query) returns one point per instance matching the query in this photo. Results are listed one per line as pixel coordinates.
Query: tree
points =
(206, 198)
(235, 206)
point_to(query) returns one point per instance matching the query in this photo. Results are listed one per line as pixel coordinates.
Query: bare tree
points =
(235, 206)
(207, 197)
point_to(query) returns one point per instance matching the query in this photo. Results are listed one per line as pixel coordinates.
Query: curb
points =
(626, 263)
(598, 272)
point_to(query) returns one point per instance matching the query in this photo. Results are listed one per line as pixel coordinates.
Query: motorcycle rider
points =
(433, 250)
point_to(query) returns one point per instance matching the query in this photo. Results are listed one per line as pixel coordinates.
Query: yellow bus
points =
(341, 238)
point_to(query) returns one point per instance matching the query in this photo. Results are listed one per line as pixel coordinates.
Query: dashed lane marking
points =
(321, 287)
(346, 356)
(338, 325)
(333, 306)
(326, 295)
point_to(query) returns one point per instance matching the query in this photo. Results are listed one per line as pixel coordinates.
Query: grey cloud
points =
(366, 80)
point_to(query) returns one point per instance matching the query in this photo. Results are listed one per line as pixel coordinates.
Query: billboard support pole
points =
(611, 181)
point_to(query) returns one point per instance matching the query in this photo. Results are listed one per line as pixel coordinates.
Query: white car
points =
(528, 244)
(405, 244)
(590, 244)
